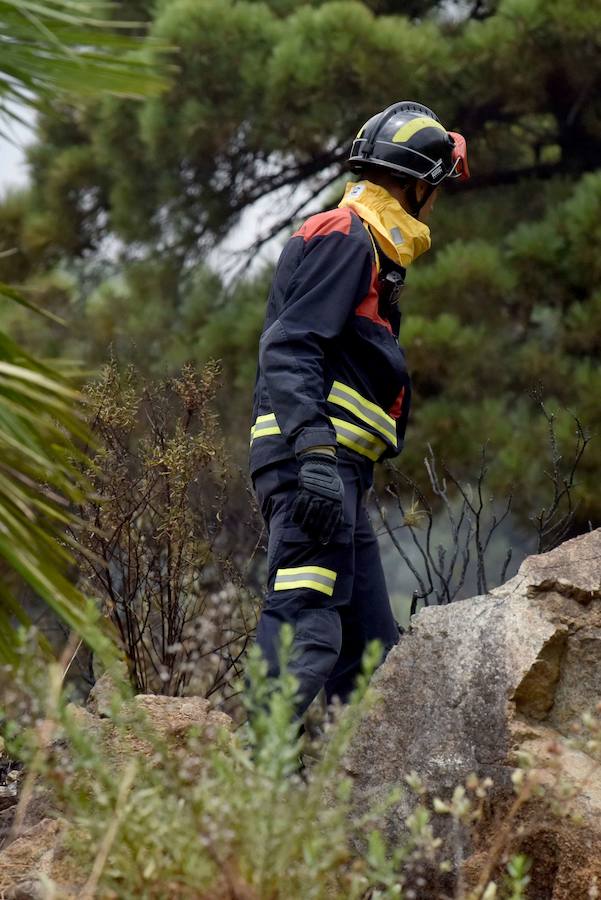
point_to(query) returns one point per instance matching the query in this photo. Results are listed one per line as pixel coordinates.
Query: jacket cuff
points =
(319, 450)
(312, 437)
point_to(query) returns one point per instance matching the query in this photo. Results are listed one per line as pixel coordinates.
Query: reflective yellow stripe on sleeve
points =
(264, 426)
(349, 435)
(314, 577)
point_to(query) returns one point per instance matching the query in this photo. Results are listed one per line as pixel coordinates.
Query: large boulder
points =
(474, 683)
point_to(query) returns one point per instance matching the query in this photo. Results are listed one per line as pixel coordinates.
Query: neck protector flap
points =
(400, 236)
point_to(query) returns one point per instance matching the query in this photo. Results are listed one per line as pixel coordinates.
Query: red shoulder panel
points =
(369, 305)
(395, 409)
(326, 223)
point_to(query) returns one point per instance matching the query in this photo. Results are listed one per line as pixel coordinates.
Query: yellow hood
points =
(400, 236)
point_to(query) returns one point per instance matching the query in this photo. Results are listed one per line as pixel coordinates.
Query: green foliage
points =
(518, 878)
(46, 48)
(128, 198)
(219, 810)
(152, 812)
(237, 123)
(489, 324)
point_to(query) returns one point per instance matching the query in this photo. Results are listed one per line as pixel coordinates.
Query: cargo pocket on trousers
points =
(317, 644)
(323, 572)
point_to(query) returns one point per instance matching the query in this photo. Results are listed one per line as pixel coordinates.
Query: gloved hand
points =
(318, 504)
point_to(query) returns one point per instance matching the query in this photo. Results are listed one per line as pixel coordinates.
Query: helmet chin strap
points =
(415, 204)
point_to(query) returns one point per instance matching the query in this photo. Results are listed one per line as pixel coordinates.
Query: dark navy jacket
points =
(330, 366)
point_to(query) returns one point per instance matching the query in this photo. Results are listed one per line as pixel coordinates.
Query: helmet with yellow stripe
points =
(407, 138)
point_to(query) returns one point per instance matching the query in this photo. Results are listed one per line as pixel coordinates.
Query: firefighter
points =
(332, 398)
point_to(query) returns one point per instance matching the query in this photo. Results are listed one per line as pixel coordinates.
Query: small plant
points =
(517, 878)
(228, 816)
(553, 521)
(472, 522)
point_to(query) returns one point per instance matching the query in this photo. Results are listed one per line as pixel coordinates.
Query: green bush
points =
(195, 820)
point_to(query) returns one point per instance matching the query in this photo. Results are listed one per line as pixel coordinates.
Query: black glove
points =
(318, 504)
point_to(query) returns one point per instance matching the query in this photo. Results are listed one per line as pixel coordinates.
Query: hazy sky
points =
(12, 159)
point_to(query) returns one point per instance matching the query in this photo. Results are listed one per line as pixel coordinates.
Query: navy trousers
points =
(333, 595)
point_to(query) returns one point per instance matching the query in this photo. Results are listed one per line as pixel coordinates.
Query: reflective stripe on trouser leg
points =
(314, 577)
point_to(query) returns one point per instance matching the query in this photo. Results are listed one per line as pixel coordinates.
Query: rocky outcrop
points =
(34, 866)
(474, 683)
(471, 687)
(168, 718)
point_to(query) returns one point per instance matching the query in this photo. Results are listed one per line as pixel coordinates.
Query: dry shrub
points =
(156, 554)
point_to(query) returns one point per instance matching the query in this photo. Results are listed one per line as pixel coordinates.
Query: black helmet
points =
(408, 138)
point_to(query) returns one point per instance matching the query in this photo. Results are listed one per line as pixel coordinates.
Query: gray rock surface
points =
(473, 683)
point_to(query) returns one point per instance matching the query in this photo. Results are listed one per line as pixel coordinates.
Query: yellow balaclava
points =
(400, 236)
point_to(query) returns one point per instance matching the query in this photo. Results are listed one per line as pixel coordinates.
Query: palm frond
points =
(49, 48)
(71, 47)
(41, 424)
(9, 293)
